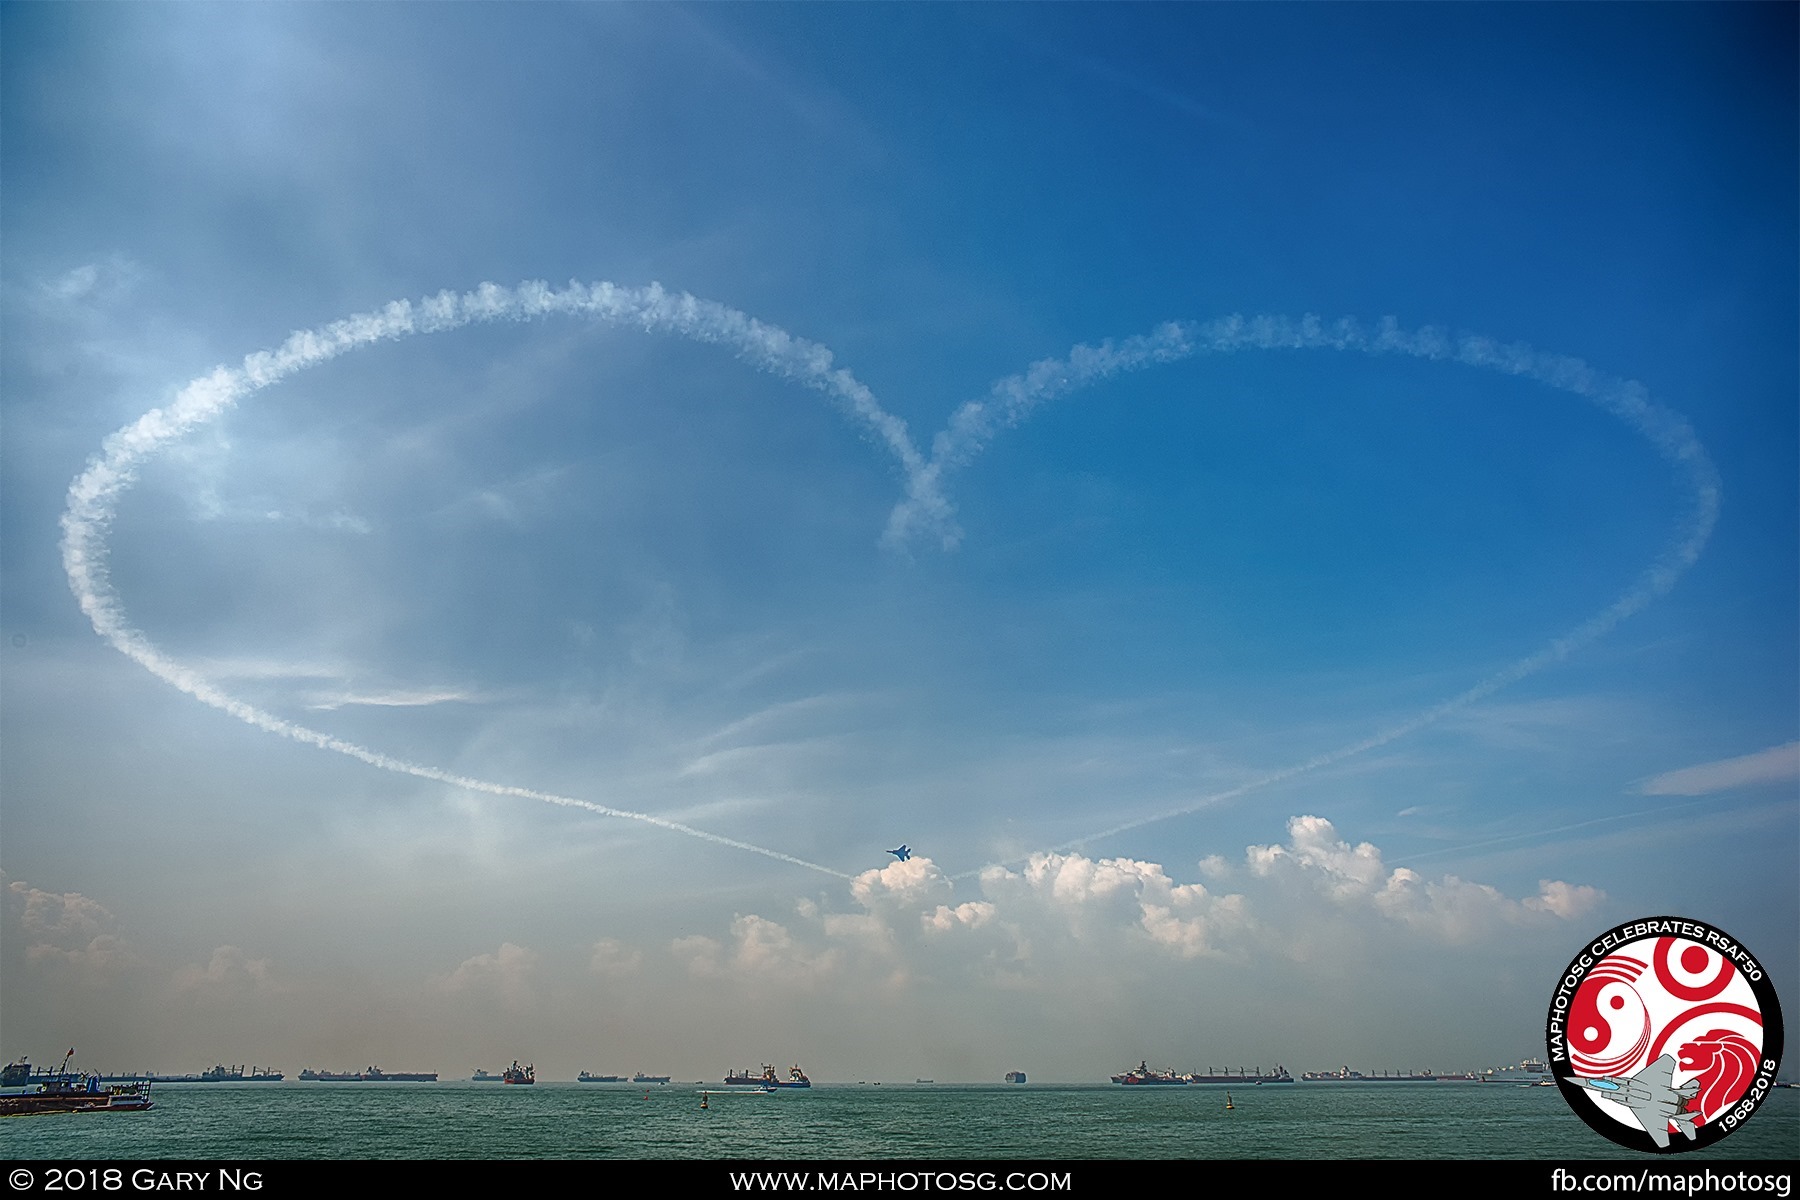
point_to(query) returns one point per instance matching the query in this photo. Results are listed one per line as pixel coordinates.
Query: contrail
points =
(94, 494)
(1543, 833)
(1012, 400)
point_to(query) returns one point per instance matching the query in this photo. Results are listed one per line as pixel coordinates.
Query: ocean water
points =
(897, 1123)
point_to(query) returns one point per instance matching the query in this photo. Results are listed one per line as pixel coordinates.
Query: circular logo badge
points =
(1664, 1034)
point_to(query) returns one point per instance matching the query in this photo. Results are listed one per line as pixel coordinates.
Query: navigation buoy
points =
(1228, 1104)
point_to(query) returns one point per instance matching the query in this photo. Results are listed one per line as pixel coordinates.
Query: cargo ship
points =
(372, 1075)
(586, 1077)
(1529, 1070)
(217, 1074)
(796, 1078)
(1346, 1075)
(1015, 1077)
(1241, 1076)
(18, 1074)
(518, 1074)
(640, 1077)
(224, 1074)
(1142, 1076)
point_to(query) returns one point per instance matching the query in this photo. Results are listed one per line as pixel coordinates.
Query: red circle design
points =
(1666, 977)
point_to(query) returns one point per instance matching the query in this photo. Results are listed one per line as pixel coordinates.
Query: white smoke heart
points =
(95, 493)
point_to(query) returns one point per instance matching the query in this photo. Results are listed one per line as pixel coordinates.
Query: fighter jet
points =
(903, 853)
(1652, 1098)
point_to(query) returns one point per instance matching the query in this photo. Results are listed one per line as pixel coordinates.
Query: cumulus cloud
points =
(66, 929)
(505, 975)
(229, 973)
(760, 951)
(1104, 901)
(613, 957)
(1565, 900)
(1062, 917)
(1777, 764)
(63, 919)
(901, 884)
(1355, 878)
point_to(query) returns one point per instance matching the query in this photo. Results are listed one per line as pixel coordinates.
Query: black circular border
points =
(1558, 1057)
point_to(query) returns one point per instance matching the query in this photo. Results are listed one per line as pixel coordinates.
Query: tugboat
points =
(78, 1093)
(796, 1078)
(518, 1074)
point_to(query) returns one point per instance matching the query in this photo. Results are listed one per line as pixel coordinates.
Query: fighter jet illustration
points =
(903, 853)
(1652, 1098)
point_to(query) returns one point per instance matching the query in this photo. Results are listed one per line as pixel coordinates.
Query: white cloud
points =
(66, 931)
(97, 284)
(901, 885)
(398, 698)
(1113, 902)
(1354, 878)
(1777, 764)
(1566, 900)
(506, 975)
(228, 973)
(64, 919)
(1063, 917)
(612, 957)
(761, 952)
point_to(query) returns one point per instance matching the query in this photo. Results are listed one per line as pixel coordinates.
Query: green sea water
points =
(909, 1123)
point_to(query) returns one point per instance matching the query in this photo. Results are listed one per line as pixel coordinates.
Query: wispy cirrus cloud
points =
(1777, 764)
(396, 698)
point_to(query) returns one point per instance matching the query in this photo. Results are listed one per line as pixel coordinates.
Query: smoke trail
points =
(1013, 399)
(94, 494)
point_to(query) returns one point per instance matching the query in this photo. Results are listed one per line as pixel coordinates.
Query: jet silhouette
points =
(1652, 1097)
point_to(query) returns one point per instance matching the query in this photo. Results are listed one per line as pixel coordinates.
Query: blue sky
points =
(1305, 599)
